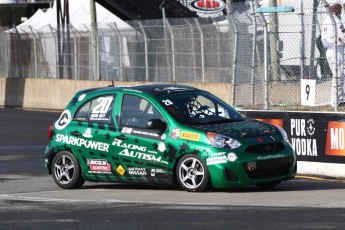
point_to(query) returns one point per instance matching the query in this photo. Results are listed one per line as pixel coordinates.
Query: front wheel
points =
(66, 171)
(192, 174)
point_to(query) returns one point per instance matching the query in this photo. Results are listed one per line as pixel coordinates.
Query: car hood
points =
(241, 129)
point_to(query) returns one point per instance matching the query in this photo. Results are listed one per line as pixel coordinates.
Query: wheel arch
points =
(177, 161)
(52, 153)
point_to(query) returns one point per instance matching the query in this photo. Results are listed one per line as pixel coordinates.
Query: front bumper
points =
(241, 173)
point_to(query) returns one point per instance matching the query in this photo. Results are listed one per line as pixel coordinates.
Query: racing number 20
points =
(103, 106)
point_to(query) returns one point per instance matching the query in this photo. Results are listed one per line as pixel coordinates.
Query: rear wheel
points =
(192, 174)
(66, 171)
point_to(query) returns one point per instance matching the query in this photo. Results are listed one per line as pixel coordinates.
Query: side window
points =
(98, 109)
(136, 111)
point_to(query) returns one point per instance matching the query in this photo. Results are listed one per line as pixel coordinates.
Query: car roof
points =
(153, 89)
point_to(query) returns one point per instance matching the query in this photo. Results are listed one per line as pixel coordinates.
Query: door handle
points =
(121, 137)
(76, 133)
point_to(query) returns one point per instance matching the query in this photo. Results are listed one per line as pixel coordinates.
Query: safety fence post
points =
(202, 48)
(146, 52)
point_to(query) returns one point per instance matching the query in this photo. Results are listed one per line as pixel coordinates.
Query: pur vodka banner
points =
(316, 137)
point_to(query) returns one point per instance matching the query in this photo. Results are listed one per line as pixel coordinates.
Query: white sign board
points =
(308, 88)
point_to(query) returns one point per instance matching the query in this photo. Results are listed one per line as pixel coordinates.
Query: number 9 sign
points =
(308, 88)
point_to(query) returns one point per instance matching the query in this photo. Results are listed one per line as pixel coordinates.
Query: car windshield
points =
(199, 107)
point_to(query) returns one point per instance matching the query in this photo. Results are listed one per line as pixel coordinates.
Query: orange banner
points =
(277, 122)
(335, 143)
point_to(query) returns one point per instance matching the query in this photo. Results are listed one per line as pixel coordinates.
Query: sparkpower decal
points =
(302, 137)
(64, 120)
(335, 143)
(76, 141)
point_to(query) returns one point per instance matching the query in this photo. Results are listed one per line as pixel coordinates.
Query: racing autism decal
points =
(64, 120)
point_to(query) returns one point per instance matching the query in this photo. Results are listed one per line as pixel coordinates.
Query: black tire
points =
(66, 171)
(192, 174)
(268, 185)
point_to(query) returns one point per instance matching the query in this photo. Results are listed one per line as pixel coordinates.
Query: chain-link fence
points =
(263, 56)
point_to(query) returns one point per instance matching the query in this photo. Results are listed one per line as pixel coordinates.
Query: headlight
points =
(283, 133)
(221, 141)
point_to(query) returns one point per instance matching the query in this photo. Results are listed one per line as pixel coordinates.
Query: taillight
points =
(50, 131)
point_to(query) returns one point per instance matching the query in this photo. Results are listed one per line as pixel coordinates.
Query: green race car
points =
(164, 134)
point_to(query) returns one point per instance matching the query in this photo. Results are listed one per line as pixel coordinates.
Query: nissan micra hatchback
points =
(164, 134)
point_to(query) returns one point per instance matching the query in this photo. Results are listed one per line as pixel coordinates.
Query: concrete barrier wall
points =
(54, 94)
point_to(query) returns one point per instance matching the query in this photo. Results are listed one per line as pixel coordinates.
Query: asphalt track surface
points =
(29, 198)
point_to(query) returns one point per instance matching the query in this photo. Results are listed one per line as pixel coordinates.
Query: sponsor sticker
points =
(81, 97)
(161, 147)
(64, 120)
(163, 137)
(136, 171)
(217, 154)
(216, 160)
(153, 172)
(98, 166)
(190, 136)
(120, 170)
(175, 133)
(126, 130)
(87, 133)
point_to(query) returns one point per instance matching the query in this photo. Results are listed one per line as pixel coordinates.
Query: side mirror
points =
(156, 124)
